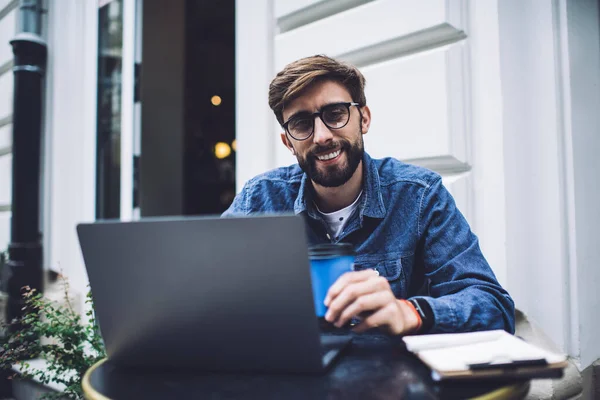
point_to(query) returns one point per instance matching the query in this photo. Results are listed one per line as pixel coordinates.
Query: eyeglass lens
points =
(335, 116)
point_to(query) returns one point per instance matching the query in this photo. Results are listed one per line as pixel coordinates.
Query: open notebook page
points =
(456, 352)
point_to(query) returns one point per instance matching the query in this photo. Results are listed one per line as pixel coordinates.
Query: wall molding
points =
(5, 150)
(427, 39)
(445, 165)
(5, 121)
(8, 8)
(316, 12)
(6, 67)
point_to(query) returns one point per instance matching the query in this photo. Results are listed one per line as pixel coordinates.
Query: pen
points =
(509, 365)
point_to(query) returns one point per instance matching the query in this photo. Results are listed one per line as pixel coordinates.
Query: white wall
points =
(253, 72)
(70, 134)
(536, 253)
(550, 70)
(533, 70)
(488, 216)
(436, 94)
(402, 72)
(582, 139)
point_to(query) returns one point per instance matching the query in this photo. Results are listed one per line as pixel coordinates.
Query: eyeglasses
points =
(334, 116)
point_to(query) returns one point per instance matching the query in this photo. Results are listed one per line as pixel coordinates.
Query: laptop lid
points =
(222, 294)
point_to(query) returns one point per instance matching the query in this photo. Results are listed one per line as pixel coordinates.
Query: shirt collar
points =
(371, 203)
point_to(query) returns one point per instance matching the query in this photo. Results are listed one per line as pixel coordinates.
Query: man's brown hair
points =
(299, 75)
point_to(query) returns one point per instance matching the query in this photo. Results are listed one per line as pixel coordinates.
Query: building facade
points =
(495, 96)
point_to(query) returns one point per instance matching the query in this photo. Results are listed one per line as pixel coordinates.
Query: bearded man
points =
(418, 268)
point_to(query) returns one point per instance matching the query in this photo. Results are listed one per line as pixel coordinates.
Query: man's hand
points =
(366, 294)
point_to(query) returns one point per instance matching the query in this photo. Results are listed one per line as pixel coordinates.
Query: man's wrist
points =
(425, 312)
(411, 317)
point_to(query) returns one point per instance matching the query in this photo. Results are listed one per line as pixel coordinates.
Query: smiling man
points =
(419, 268)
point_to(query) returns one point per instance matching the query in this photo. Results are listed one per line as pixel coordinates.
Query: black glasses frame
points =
(320, 115)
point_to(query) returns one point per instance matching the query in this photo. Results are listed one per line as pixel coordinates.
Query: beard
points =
(333, 175)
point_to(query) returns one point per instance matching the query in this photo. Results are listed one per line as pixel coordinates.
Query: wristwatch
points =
(425, 312)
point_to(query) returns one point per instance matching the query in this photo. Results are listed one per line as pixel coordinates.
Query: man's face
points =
(330, 156)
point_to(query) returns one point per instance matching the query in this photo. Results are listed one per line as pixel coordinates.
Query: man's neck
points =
(330, 199)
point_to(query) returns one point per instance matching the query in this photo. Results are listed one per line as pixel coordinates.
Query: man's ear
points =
(366, 119)
(286, 142)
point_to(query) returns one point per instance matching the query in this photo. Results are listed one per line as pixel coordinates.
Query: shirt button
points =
(376, 272)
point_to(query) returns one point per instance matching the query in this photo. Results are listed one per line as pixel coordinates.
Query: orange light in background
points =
(222, 150)
(234, 145)
(215, 100)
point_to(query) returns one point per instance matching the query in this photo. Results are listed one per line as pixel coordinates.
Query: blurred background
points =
(153, 107)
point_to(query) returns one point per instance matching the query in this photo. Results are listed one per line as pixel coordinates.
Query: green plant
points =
(70, 347)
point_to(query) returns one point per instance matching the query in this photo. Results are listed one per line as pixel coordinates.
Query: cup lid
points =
(331, 250)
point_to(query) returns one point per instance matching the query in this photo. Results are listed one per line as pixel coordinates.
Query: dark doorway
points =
(209, 169)
(187, 164)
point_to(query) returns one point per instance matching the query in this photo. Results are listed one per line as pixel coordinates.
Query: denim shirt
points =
(409, 229)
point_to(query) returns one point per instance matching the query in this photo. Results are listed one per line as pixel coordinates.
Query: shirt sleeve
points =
(239, 206)
(464, 293)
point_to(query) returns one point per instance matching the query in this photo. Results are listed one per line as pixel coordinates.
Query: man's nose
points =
(322, 133)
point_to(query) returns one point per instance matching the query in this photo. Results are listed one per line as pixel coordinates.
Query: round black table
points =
(373, 367)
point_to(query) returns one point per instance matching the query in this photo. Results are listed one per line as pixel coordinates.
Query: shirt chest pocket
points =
(390, 268)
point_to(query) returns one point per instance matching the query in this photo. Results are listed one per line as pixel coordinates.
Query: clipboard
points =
(484, 355)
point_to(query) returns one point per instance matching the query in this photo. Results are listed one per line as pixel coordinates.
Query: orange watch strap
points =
(415, 312)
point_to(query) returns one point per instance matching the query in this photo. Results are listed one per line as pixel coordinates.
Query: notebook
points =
(489, 354)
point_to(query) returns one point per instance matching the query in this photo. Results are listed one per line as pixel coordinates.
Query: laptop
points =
(207, 293)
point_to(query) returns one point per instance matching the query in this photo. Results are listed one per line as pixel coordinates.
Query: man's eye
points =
(335, 114)
(300, 124)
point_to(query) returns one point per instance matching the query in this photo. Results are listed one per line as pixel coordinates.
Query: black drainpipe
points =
(24, 266)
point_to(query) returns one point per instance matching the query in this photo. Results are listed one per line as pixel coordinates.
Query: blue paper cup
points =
(327, 263)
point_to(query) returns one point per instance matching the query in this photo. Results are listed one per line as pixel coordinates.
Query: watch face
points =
(425, 312)
(415, 303)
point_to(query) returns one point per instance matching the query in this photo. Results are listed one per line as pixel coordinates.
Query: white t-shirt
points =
(336, 221)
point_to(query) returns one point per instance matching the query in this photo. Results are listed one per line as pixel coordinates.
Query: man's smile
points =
(329, 157)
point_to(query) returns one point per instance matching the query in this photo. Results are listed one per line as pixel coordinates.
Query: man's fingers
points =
(353, 291)
(346, 279)
(382, 318)
(368, 302)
